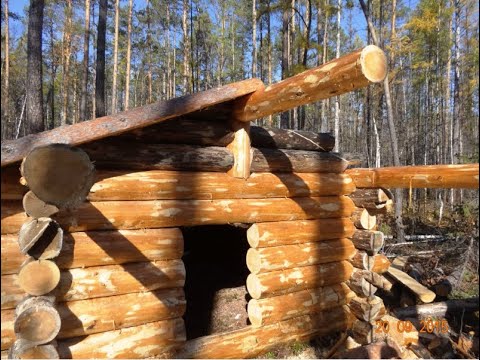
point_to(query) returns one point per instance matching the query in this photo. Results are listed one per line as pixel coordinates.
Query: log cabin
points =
(177, 186)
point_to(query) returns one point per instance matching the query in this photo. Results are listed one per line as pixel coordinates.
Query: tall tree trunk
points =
(100, 109)
(186, 49)
(53, 76)
(284, 123)
(86, 47)
(129, 52)
(254, 39)
(34, 102)
(115, 59)
(67, 50)
(337, 103)
(6, 130)
(269, 51)
(393, 135)
(149, 53)
(306, 36)
(324, 60)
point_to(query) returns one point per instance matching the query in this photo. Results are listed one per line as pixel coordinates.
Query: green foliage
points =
(297, 348)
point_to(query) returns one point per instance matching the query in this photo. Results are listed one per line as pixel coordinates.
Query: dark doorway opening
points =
(216, 275)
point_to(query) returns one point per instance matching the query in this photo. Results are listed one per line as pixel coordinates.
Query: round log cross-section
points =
(39, 277)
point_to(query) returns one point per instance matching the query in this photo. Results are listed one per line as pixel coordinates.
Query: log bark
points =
(427, 176)
(438, 309)
(424, 294)
(278, 308)
(58, 174)
(376, 201)
(110, 215)
(363, 220)
(103, 248)
(290, 256)
(370, 241)
(251, 341)
(298, 232)
(36, 208)
(381, 264)
(283, 282)
(367, 309)
(92, 316)
(273, 138)
(155, 339)
(40, 238)
(38, 277)
(36, 321)
(349, 72)
(101, 281)
(118, 123)
(375, 279)
(241, 150)
(22, 349)
(360, 285)
(300, 161)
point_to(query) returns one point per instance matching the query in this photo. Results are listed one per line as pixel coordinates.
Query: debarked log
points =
(375, 200)
(378, 263)
(360, 285)
(370, 241)
(367, 309)
(40, 238)
(251, 341)
(423, 293)
(363, 220)
(270, 310)
(439, 309)
(159, 339)
(22, 349)
(298, 232)
(101, 281)
(95, 248)
(110, 313)
(373, 278)
(38, 277)
(307, 277)
(108, 215)
(37, 208)
(289, 256)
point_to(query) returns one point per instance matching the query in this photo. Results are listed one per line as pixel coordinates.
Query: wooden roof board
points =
(111, 125)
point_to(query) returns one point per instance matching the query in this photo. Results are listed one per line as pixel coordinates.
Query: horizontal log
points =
(344, 74)
(109, 215)
(268, 137)
(251, 341)
(36, 208)
(176, 185)
(159, 339)
(92, 316)
(22, 349)
(38, 277)
(376, 201)
(381, 264)
(289, 256)
(360, 285)
(363, 332)
(287, 281)
(373, 278)
(367, 309)
(363, 220)
(298, 232)
(101, 281)
(370, 241)
(438, 309)
(108, 126)
(464, 176)
(299, 161)
(361, 261)
(95, 248)
(278, 308)
(424, 294)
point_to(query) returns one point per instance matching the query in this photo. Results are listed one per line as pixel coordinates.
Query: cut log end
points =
(37, 208)
(374, 63)
(58, 174)
(41, 238)
(363, 220)
(254, 287)
(22, 349)
(254, 261)
(253, 236)
(39, 277)
(254, 311)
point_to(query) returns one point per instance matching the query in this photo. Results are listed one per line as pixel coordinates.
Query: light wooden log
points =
(363, 220)
(101, 281)
(438, 309)
(58, 174)
(268, 137)
(282, 282)
(159, 339)
(241, 149)
(427, 176)
(176, 185)
(96, 248)
(289, 256)
(376, 201)
(299, 161)
(370, 241)
(107, 126)
(37, 208)
(170, 213)
(92, 316)
(361, 261)
(360, 285)
(367, 309)
(375, 279)
(38, 277)
(251, 341)
(40, 238)
(344, 74)
(278, 308)
(298, 232)
(22, 349)
(424, 294)
(36, 321)
(380, 262)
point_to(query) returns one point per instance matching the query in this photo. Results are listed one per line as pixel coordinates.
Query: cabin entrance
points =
(216, 274)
